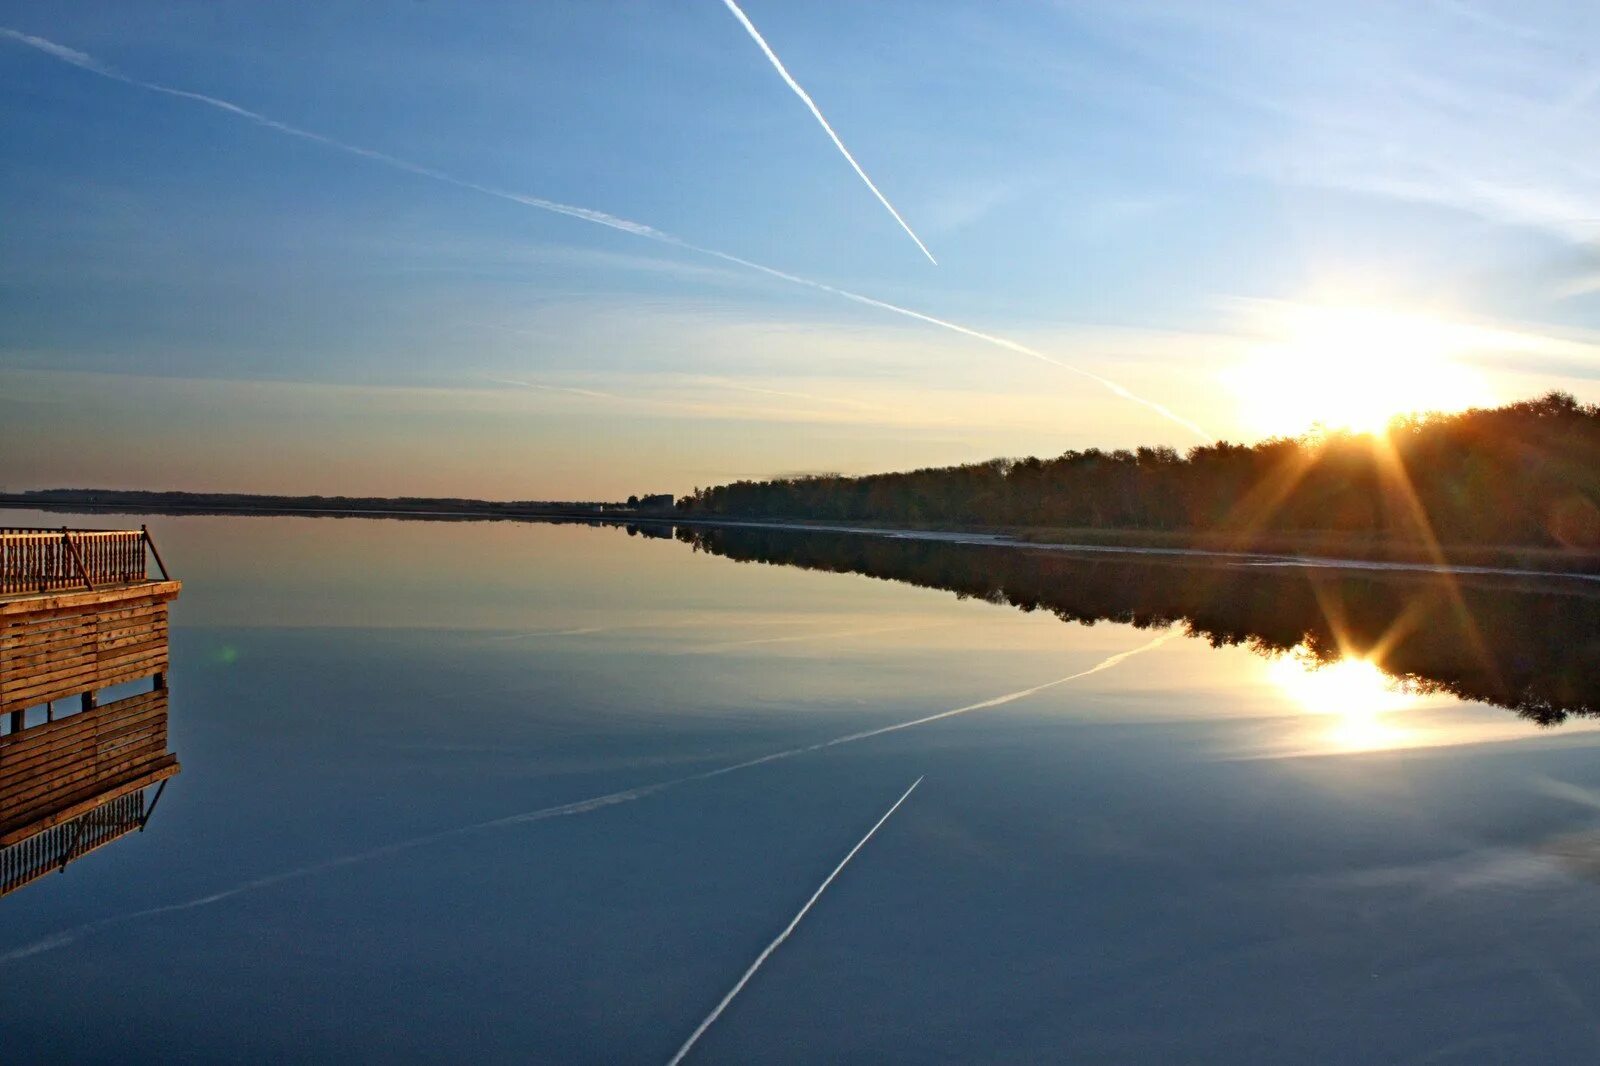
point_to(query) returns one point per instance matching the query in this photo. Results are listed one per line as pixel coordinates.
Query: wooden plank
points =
(120, 659)
(53, 765)
(50, 674)
(157, 631)
(136, 672)
(22, 693)
(149, 639)
(22, 798)
(30, 692)
(108, 742)
(22, 751)
(55, 734)
(43, 650)
(22, 634)
(47, 761)
(58, 646)
(40, 666)
(152, 658)
(67, 602)
(130, 615)
(167, 769)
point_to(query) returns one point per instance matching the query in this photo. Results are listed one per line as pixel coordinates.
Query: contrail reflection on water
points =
(582, 806)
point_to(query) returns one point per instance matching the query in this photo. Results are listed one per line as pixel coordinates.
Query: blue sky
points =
(1214, 206)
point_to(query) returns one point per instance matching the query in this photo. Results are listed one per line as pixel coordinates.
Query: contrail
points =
(554, 388)
(816, 113)
(583, 806)
(956, 327)
(781, 937)
(795, 638)
(599, 218)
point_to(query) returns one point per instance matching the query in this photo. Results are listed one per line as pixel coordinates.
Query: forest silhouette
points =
(1526, 475)
(1524, 645)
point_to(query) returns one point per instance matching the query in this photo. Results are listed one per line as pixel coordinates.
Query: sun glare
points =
(1354, 693)
(1353, 368)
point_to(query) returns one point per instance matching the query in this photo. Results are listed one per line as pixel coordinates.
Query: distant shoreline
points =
(1310, 552)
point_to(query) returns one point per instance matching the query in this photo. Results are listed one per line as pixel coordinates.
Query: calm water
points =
(378, 847)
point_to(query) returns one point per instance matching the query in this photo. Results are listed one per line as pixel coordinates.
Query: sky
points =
(579, 250)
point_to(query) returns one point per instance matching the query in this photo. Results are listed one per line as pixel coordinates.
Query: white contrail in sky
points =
(816, 112)
(781, 937)
(583, 806)
(599, 218)
(537, 386)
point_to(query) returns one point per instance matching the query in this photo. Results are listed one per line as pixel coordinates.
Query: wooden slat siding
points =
(32, 560)
(57, 647)
(108, 720)
(165, 768)
(108, 736)
(50, 774)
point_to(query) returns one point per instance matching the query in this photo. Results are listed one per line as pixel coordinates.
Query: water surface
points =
(1198, 848)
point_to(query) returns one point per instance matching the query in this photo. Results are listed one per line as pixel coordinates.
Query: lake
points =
(505, 791)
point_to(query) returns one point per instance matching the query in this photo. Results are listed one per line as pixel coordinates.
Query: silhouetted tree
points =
(1527, 474)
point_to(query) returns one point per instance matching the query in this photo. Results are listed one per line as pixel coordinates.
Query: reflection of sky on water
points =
(1116, 867)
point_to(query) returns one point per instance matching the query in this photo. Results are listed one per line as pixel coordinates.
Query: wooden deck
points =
(78, 614)
(55, 647)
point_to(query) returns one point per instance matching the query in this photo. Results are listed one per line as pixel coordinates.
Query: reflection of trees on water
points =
(1526, 646)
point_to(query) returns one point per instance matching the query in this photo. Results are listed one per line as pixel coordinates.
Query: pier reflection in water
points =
(78, 617)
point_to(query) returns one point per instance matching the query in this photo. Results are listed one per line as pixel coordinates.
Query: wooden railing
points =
(46, 560)
(50, 850)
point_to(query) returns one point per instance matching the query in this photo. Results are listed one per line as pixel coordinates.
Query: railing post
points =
(72, 549)
(144, 531)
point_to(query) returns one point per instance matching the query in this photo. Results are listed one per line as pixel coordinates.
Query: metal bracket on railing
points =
(148, 811)
(150, 542)
(72, 845)
(72, 549)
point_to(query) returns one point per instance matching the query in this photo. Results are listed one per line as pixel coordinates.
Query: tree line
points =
(1524, 474)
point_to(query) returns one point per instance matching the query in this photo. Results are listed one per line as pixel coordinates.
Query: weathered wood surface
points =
(57, 646)
(43, 560)
(52, 773)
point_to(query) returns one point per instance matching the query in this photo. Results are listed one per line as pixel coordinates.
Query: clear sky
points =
(318, 261)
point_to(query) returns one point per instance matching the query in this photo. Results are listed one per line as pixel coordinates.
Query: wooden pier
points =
(79, 614)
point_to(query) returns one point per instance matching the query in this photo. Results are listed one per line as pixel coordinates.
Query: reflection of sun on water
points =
(1355, 368)
(1354, 692)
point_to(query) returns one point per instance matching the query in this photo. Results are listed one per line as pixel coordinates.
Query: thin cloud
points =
(600, 218)
(816, 112)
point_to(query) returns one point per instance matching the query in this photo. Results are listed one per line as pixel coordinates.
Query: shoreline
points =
(1490, 562)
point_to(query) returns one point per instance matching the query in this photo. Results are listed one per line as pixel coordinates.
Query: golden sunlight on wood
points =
(1353, 368)
(1354, 693)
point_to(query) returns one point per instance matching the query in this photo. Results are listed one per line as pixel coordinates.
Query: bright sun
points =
(1353, 368)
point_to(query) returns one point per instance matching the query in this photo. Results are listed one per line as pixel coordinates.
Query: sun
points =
(1352, 368)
